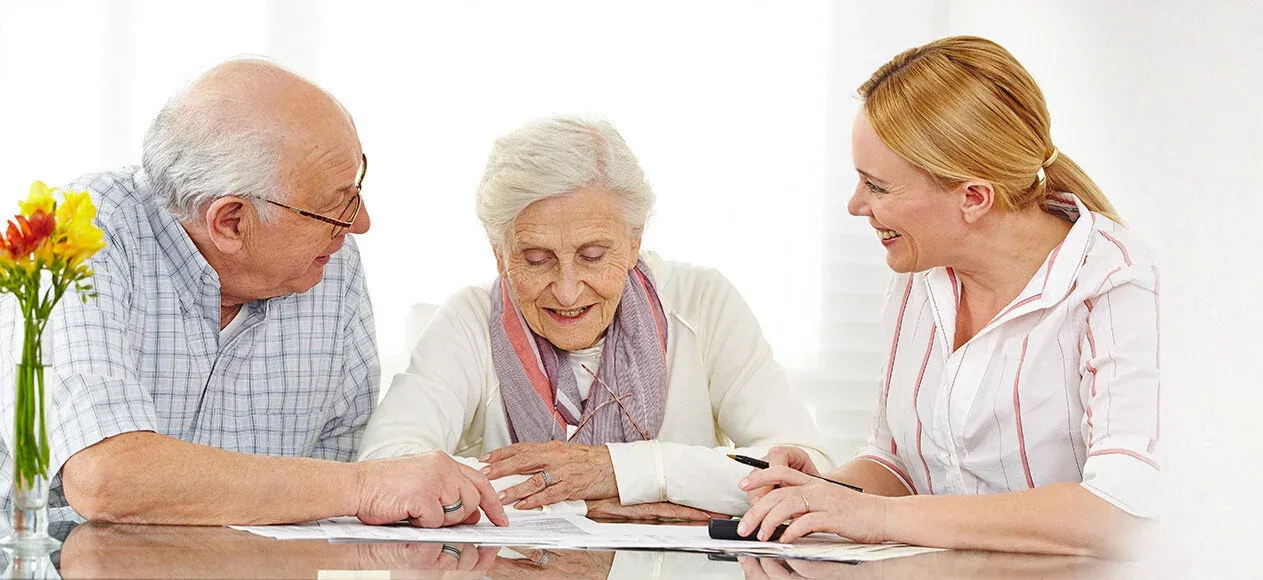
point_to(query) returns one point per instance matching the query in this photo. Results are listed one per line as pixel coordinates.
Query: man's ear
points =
(977, 197)
(226, 221)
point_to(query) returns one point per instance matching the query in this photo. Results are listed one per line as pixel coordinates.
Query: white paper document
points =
(578, 532)
(529, 531)
(307, 531)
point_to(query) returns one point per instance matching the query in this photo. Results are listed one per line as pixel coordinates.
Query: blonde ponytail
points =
(963, 108)
(1063, 174)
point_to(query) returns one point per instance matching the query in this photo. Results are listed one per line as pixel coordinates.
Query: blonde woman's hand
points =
(814, 504)
(789, 456)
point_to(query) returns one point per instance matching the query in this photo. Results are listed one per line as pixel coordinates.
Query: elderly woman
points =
(1019, 403)
(603, 373)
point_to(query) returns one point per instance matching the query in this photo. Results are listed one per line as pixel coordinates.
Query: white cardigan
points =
(724, 389)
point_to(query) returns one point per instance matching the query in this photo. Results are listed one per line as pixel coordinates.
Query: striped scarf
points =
(540, 392)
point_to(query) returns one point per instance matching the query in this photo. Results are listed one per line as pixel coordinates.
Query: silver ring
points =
(448, 509)
(548, 480)
(543, 559)
(450, 550)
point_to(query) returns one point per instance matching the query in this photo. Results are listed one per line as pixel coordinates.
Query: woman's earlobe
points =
(976, 200)
(500, 269)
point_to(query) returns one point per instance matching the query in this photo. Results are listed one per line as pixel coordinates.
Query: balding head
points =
(246, 128)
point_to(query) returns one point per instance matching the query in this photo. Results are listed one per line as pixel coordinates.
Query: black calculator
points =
(721, 529)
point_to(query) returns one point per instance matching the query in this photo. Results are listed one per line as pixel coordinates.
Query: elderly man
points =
(226, 371)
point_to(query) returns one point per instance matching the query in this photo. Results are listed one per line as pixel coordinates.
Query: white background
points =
(740, 112)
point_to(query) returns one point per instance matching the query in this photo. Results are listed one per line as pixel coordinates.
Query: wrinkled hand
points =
(788, 455)
(416, 487)
(659, 511)
(555, 563)
(92, 551)
(577, 472)
(833, 508)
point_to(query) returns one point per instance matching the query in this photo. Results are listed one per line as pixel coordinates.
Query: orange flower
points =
(25, 234)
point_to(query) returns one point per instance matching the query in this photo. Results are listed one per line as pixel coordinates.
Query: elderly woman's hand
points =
(539, 563)
(816, 506)
(657, 511)
(575, 471)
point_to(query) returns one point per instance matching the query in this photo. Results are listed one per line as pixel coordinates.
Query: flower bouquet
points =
(43, 255)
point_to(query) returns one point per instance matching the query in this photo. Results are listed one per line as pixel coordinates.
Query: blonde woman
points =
(1018, 407)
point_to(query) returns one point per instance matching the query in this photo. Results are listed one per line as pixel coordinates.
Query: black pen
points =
(760, 464)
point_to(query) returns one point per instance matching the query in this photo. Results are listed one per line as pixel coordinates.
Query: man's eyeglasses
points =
(352, 210)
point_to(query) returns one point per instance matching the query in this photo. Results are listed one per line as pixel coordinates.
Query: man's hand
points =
(575, 471)
(446, 561)
(417, 487)
(659, 511)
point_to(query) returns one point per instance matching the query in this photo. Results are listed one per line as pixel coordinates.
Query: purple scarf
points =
(540, 392)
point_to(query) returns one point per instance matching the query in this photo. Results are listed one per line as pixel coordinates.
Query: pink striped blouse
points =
(1061, 386)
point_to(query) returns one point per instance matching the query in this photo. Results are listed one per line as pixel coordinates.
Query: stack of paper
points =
(578, 532)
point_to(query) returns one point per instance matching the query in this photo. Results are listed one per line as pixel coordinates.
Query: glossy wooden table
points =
(96, 550)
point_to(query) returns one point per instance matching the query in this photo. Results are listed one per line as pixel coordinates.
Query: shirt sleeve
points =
(431, 404)
(753, 405)
(881, 447)
(94, 390)
(361, 371)
(1120, 382)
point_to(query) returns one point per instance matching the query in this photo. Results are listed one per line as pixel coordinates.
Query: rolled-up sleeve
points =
(880, 448)
(1120, 387)
(94, 391)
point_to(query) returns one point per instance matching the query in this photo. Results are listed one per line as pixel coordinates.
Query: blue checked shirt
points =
(299, 379)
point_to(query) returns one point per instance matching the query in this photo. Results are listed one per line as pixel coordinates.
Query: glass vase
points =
(28, 564)
(29, 452)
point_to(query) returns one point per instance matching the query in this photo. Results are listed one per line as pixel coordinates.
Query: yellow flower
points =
(82, 240)
(40, 199)
(77, 237)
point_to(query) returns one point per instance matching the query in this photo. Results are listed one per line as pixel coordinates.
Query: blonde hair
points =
(963, 108)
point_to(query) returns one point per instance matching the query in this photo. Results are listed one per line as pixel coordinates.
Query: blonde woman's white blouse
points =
(1062, 386)
(725, 394)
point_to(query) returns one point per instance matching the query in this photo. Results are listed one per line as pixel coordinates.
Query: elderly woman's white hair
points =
(555, 156)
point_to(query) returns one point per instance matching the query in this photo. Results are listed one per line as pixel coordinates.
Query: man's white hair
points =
(191, 160)
(209, 143)
(555, 156)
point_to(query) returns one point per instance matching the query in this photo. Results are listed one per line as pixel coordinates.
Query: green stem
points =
(30, 449)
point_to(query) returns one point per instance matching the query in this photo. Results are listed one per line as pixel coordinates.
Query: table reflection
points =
(96, 550)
